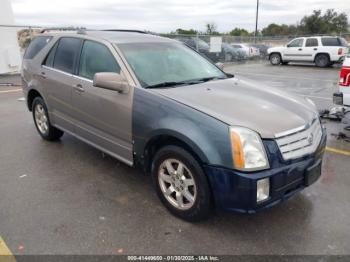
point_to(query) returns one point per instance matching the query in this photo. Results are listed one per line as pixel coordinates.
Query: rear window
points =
(331, 41)
(36, 45)
(67, 53)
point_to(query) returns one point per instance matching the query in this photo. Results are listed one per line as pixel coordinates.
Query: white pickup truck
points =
(343, 96)
(322, 50)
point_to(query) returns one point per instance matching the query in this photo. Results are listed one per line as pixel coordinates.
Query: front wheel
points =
(42, 121)
(275, 59)
(181, 184)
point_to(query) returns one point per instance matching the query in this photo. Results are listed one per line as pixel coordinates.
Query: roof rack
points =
(125, 30)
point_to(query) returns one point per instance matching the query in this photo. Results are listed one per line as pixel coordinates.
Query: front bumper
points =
(236, 191)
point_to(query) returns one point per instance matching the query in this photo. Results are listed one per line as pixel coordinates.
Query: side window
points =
(49, 58)
(330, 41)
(311, 42)
(296, 43)
(66, 54)
(36, 45)
(96, 58)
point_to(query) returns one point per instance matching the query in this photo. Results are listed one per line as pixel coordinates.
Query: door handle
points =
(300, 49)
(43, 75)
(315, 48)
(79, 88)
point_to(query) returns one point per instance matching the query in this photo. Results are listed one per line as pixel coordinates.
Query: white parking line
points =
(318, 97)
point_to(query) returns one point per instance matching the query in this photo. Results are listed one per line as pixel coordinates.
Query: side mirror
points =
(220, 65)
(111, 81)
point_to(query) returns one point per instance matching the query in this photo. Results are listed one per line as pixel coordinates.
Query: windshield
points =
(156, 63)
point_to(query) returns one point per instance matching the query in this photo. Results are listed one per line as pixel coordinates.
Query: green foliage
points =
(239, 32)
(275, 29)
(329, 23)
(186, 32)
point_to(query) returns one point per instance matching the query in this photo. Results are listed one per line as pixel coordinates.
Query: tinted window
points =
(96, 58)
(311, 42)
(330, 41)
(296, 43)
(66, 54)
(49, 59)
(36, 45)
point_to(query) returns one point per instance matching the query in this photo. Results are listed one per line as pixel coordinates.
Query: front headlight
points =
(248, 152)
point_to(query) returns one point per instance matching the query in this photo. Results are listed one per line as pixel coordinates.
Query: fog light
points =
(262, 189)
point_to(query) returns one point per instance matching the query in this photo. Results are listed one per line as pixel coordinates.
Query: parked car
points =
(232, 54)
(202, 47)
(207, 138)
(195, 42)
(322, 50)
(262, 49)
(250, 51)
(343, 96)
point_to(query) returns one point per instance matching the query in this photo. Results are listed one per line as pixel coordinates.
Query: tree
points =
(275, 29)
(211, 29)
(239, 32)
(186, 32)
(329, 23)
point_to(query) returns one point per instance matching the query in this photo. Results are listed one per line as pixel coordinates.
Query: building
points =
(10, 58)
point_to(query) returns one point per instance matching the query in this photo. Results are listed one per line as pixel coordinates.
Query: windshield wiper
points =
(174, 83)
(188, 82)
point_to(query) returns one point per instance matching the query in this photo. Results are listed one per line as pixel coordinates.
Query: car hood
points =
(235, 102)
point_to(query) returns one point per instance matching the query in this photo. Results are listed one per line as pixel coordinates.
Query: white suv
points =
(322, 50)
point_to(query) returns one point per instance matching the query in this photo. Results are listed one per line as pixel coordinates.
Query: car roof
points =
(116, 36)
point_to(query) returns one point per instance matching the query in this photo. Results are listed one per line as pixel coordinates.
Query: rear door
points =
(57, 74)
(310, 49)
(294, 50)
(102, 117)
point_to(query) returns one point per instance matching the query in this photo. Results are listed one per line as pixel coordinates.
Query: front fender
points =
(155, 115)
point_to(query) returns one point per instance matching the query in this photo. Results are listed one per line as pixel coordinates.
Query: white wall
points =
(10, 58)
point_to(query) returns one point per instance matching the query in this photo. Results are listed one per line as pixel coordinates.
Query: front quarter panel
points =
(155, 115)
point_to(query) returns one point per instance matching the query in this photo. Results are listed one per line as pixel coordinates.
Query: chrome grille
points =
(300, 141)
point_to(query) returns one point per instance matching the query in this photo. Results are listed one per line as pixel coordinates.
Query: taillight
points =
(345, 76)
(340, 51)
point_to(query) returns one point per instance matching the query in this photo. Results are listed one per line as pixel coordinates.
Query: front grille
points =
(300, 141)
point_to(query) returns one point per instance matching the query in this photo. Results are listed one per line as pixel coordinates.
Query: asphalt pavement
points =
(67, 198)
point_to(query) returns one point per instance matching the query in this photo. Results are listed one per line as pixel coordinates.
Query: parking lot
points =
(67, 198)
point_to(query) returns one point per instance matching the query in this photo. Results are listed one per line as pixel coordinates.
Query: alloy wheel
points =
(177, 184)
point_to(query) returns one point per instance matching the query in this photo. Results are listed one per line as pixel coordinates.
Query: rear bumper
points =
(236, 191)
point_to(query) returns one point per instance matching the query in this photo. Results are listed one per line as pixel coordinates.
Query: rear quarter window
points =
(36, 45)
(331, 41)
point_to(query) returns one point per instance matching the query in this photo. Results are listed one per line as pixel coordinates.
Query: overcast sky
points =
(166, 15)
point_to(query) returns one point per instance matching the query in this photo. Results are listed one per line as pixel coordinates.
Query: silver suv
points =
(207, 138)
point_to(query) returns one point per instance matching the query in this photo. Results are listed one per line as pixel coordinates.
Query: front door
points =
(294, 50)
(102, 117)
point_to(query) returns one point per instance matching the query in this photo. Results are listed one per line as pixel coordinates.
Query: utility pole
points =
(256, 20)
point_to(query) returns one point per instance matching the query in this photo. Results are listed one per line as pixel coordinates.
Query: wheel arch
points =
(32, 94)
(323, 53)
(160, 140)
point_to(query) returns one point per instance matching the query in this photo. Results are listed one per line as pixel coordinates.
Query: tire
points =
(322, 60)
(275, 59)
(179, 179)
(42, 121)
